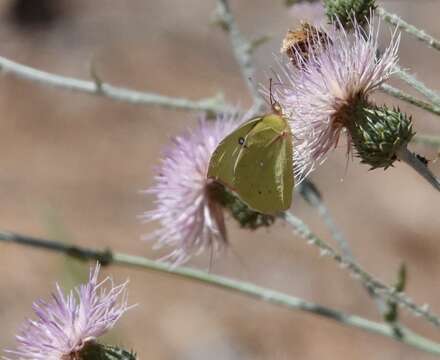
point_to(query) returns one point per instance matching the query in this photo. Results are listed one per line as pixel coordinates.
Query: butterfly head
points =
(275, 105)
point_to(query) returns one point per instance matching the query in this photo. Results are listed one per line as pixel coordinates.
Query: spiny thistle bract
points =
(95, 351)
(343, 12)
(379, 133)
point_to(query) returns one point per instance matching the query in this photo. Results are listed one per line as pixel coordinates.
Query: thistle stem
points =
(412, 160)
(242, 50)
(411, 80)
(243, 288)
(311, 194)
(379, 287)
(410, 29)
(401, 95)
(103, 89)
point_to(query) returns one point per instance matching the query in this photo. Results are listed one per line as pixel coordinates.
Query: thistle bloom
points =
(325, 94)
(190, 217)
(66, 324)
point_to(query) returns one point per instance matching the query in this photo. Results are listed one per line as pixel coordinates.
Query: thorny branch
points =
(379, 288)
(277, 298)
(103, 89)
(410, 29)
(401, 95)
(242, 51)
(410, 79)
(311, 194)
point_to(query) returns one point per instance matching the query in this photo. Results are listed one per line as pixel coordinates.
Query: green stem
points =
(410, 29)
(406, 336)
(399, 94)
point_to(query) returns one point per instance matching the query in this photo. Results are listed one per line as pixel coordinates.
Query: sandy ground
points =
(72, 165)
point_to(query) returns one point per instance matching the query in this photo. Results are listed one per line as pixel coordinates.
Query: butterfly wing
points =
(264, 175)
(226, 157)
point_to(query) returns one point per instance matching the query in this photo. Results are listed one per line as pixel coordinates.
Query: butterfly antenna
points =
(272, 101)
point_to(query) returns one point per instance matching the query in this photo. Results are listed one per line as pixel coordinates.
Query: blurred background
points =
(72, 166)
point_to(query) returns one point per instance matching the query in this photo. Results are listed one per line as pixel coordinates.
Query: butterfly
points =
(255, 162)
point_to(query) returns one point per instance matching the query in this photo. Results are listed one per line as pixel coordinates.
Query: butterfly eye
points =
(241, 141)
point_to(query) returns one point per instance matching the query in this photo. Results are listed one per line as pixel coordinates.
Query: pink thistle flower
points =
(190, 217)
(321, 97)
(66, 324)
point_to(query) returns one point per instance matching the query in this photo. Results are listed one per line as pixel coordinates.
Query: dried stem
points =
(107, 257)
(379, 288)
(98, 88)
(410, 29)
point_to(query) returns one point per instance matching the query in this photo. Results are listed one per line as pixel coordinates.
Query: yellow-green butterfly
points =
(255, 162)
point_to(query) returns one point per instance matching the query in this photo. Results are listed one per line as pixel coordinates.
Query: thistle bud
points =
(347, 11)
(379, 133)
